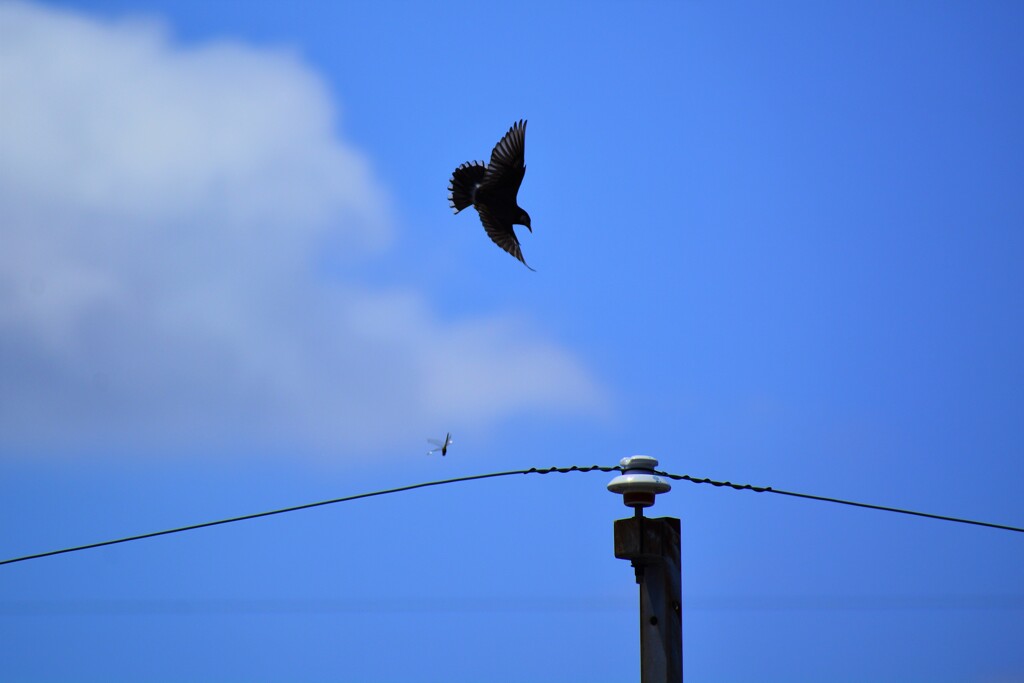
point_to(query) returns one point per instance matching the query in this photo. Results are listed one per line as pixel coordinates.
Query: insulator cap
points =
(638, 484)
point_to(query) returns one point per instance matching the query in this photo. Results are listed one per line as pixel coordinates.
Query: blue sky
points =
(776, 243)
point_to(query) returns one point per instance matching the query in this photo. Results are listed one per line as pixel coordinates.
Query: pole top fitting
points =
(638, 484)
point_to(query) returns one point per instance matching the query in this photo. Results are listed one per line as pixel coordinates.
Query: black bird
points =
(492, 190)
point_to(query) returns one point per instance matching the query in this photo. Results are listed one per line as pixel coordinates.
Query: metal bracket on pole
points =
(652, 546)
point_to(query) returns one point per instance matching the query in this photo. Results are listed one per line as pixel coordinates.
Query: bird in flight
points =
(492, 190)
(443, 447)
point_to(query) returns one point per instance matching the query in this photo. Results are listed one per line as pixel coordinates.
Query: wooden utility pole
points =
(652, 547)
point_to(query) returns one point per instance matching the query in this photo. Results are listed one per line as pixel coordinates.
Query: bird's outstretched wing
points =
(502, 234)
(508, 160)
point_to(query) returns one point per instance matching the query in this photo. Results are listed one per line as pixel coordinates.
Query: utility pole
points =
(652, 546)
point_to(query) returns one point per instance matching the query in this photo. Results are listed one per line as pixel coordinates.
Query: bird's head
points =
(524, 219)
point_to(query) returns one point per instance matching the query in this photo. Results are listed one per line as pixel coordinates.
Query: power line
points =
(197, 606)
(532, 470)
(769, 489)
(229, 520)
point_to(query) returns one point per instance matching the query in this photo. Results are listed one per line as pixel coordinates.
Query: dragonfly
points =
(441, 445)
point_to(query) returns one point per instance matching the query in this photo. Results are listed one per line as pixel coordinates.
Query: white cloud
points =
(161, 208)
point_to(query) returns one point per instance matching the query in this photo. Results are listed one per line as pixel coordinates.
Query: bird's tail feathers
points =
(463, 184)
